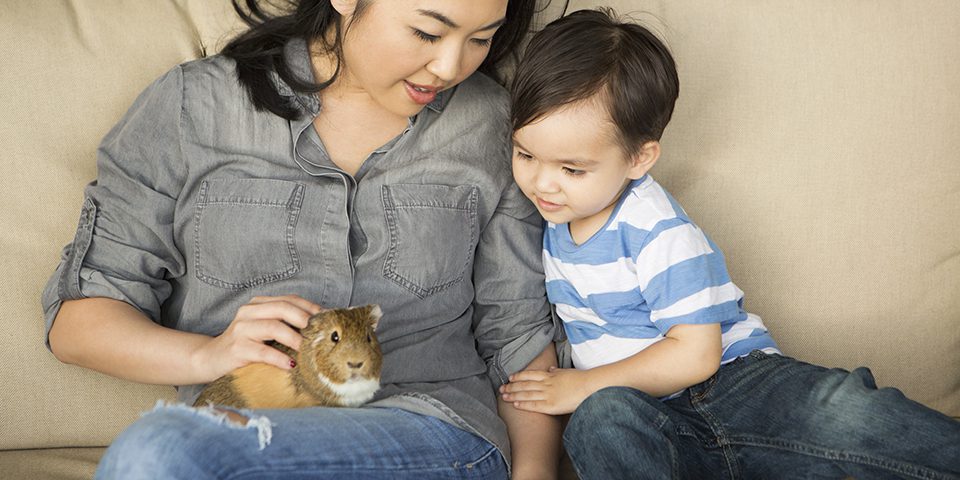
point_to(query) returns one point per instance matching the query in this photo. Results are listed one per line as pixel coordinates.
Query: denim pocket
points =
(244, 231)
(433, 233)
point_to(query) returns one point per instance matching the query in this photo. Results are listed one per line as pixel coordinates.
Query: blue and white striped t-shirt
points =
(648, 269)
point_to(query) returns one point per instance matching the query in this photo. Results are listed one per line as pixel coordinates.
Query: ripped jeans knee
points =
(239, 419)
(174, 440)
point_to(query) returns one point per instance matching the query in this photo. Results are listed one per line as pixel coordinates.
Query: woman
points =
(343, 154)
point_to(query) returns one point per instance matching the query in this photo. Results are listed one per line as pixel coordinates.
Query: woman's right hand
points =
(242, 343)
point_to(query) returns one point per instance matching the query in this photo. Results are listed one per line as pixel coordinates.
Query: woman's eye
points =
(482, 42)
(334, 337)
(426, 37)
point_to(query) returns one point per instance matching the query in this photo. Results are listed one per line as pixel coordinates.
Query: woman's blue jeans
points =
(180, 442)
(764, 417)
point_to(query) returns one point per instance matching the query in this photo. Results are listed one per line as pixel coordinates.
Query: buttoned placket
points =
(312, 158)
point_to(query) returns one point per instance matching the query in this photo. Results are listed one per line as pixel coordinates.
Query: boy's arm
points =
(689, 354)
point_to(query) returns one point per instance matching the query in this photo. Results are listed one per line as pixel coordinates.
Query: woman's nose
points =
(446, 64)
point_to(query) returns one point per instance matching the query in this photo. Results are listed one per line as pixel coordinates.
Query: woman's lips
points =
(420, 94)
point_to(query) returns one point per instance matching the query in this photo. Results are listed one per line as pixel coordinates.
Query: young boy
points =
(673, 378)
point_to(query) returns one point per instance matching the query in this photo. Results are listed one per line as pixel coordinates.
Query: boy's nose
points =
(544, 182)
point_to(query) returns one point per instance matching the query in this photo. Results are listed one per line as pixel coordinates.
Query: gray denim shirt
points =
(201, 202)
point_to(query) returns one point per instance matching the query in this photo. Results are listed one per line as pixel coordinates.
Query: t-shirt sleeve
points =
(683, 277)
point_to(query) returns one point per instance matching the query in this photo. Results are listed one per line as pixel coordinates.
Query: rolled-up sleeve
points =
(124, 244)
(512, 320)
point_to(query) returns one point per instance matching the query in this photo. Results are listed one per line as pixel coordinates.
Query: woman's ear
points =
(344, 7)
(645, 158)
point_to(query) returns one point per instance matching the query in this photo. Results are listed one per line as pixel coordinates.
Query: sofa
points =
(817, 142)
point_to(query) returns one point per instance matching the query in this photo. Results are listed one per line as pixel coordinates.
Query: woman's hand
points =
(242, 343)
(555, 391)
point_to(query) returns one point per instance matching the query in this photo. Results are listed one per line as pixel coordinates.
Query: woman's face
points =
(402, 52)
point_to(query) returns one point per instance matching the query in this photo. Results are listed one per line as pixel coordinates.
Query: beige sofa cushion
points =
(50, 463)
(817, 143)
(70, 70)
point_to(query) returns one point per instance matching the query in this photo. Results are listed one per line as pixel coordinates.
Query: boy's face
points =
(570, 165)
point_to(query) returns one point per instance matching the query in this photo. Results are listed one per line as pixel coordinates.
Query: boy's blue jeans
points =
(764, 417)
(179, 442)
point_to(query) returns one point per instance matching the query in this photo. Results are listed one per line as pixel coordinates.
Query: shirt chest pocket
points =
(433, 234)
(244, 231)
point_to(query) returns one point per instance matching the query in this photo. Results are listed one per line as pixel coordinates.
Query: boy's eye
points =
(426, 37)
(573, 172)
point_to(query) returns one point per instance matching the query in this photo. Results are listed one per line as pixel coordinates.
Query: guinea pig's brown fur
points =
(338, 365)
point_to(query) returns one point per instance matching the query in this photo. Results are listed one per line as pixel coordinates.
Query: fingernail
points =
(293, 363)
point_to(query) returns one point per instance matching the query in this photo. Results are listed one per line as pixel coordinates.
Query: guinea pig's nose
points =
(354, 365)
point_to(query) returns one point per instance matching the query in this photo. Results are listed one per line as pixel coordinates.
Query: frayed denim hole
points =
(220, 416)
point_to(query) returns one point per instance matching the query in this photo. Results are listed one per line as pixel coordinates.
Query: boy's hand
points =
(556, 391)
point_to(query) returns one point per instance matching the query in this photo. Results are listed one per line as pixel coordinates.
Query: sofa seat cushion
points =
(50, 463)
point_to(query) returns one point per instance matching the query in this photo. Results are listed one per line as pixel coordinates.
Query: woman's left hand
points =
(556, 391)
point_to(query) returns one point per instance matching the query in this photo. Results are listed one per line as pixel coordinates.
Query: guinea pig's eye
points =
(334, 337)
(368, 338)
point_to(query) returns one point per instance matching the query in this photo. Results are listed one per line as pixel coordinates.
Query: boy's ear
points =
(645, 158)
(344, 7)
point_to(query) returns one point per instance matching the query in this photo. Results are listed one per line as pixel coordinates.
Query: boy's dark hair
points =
(590, 52)
(259, 51)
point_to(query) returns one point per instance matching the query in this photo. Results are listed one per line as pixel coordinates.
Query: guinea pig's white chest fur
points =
(353, 392)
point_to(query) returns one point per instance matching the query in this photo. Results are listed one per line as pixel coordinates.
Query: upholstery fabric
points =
(816, 142)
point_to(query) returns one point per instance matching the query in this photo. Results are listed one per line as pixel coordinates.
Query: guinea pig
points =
(338, 365)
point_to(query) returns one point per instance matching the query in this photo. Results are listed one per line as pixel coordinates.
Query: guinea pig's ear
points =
(374, 315)
(317, 317)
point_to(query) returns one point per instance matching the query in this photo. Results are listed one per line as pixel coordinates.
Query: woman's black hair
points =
(259, 51)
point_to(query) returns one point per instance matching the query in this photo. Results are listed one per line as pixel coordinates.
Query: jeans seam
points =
(258, 471)
(490, 451)
(899, 467)
(449, 468)
(729, 456)
(674, 454)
